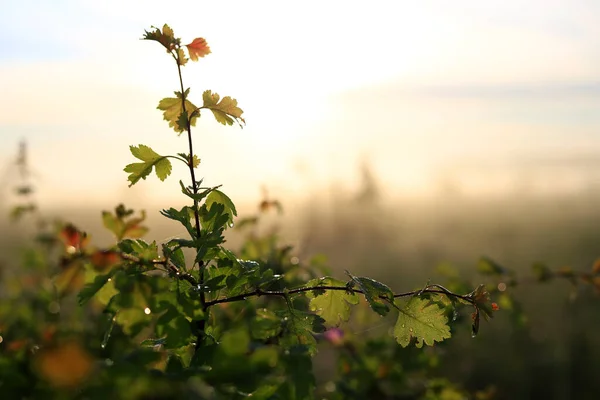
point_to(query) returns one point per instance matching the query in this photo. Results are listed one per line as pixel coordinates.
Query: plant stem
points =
(200, 325)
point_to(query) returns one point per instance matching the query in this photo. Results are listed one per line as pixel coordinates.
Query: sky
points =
(424, 92)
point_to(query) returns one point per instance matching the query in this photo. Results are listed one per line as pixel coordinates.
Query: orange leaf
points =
(198, 48)
(65, 366)
(596, 267)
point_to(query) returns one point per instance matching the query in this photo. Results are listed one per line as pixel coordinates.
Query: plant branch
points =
(283, 293)
(165, 263)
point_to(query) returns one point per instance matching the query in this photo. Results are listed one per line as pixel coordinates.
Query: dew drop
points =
(231, 225)
(454, 315)
(147, 311)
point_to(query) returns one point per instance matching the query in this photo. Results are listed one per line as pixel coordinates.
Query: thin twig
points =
(282, 293)
(170, 268)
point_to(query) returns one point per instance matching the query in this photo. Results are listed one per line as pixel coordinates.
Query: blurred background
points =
(399, 136)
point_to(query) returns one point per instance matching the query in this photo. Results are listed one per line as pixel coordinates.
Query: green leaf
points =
(174, 254)
(225, 111)
(300, 382)
(332, 305)
(122, 224)
(487, 266)
(183, 216)
(216, 196)
(195, 159)
(298, 328)
(266, 324)
(172, 108)
(234, 342)
(112, 223)
(137, 171)
(422, 320)
(214, 218)
(92, 288)
(140, 248)
(377, 294)
(132, 320)
(188, 191)
(175, 328)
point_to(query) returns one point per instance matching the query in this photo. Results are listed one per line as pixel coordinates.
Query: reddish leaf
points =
(105, 259)
(17, 345)
(48, 333)
(73, 238)
(198, 48)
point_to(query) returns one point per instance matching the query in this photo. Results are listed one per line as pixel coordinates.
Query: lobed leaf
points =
(422, 320)
(298, 328)
(90, 289)
(198, 48)
(216, 196)
(164, 37)
(172, 108)
(225, 111)
(377, 294)
(151, 159)
(183, 216)
(332, 305)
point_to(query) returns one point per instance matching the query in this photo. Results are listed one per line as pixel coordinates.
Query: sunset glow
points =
(411, 87)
